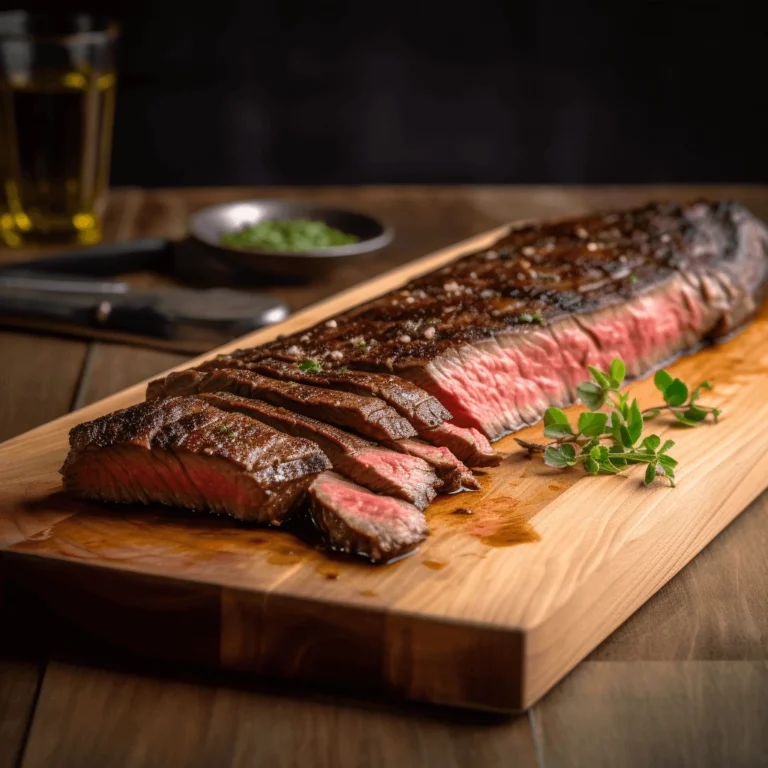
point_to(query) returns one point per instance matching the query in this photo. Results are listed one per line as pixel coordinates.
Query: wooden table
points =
(683, 682)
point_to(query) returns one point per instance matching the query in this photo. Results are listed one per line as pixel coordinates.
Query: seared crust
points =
(367, 416)
(530, 277)
(184, 452)
(421, 409)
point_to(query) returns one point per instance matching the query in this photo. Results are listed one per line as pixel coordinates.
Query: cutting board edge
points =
(400, 654)
(551, 674)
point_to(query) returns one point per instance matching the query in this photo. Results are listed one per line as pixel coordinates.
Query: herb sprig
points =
(607, 441)
(684, 406)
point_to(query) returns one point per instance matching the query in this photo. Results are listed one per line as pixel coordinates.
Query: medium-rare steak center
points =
(184, 452)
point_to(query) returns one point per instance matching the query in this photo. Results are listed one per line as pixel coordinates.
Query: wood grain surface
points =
(714, 610)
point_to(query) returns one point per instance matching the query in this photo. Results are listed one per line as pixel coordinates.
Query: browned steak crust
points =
(184, 452)
(499, 335)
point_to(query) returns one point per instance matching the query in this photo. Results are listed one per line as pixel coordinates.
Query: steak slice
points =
(421, 409)
(358, 522)
(455, 476)
(184, 452)
(378, 469)
(466, 443)
(424, 412)
(411, 401)
(367, 416)
(499, 335)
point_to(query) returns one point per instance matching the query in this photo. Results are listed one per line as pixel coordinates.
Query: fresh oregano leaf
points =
(623, 408)
(651, 443)
(650, 473)
(668, 472)
(618, 371)
(667, 445)
(569, 452)
(592, 424)
(600, 377)
(635, 422)
(553, 457)
(556, 425)
(662, 380)
(591, 395)
(683, 419)
(558, 431)
(626, 438)
(554, 416)
(591, 466)
(695, 414)
(676, 393)
(651, 414)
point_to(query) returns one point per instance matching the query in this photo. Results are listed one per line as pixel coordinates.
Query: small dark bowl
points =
(209, 224)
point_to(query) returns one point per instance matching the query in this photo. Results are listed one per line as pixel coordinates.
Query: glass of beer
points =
(57, 99)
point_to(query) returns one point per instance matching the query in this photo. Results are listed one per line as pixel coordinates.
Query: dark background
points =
(250, 92)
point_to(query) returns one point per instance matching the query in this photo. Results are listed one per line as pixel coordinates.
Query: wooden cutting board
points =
(493, 610)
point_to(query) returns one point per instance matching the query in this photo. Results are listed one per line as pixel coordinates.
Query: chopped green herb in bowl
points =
(288, 235)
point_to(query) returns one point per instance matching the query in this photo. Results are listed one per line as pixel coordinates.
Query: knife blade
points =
(178, 317)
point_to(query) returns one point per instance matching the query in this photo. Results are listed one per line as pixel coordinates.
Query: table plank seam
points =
(538, 750)
(83, 380)
(77, 401)
(19, 761)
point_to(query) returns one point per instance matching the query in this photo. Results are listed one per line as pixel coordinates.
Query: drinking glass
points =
(57, 98)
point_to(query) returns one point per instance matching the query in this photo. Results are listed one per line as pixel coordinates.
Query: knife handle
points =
(151, 253)
(70, 309)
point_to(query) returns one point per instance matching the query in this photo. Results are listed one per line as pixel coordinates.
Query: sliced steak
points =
(184, 452)
(469, 446)
(466, 443)
(421, 409)
(378, 469)
(358, 522)
(500, 335)
(367, 416)
(455, 476)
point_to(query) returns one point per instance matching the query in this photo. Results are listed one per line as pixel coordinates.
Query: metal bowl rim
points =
(336, 251)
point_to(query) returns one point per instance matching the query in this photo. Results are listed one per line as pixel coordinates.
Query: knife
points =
(155, 254)
(175, 318)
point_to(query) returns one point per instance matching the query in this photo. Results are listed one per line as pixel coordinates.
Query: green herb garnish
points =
(633, 278)
(343, 368)
(431, 321)
(225, 429)
(362, 345)
(528, 317)
(607, 441)
(310, 365)
(288, 235)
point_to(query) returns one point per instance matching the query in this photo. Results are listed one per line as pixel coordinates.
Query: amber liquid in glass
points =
(55, 145)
